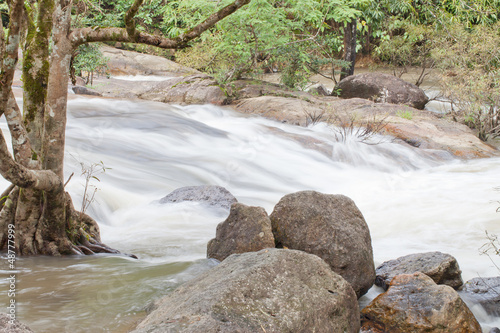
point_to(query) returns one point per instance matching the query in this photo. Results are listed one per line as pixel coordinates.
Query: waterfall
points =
(411, 200)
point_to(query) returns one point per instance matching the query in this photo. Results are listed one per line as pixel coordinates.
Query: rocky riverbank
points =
(172, 83)
(302, 268)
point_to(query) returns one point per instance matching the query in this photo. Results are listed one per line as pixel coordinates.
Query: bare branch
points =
(98, 34)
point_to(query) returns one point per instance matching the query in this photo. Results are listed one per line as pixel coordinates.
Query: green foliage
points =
(89, 61)
(90, 172)
(265, 35)
(470, 58)
(406, 114)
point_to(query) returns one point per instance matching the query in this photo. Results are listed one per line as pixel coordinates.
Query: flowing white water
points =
(411, 202)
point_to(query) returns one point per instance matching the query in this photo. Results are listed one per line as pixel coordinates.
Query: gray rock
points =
(122, 62)
(273, 290)
(246, 229)
(212, 195)
(382, 88)
(319, 90)
(494, 330)
(192, 89)
(441, 267)
(7, 325)
(414, 303)
(483, 291)
(81, 90)
(331, 227)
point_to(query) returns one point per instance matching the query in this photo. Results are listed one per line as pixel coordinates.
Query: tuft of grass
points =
(406, 114)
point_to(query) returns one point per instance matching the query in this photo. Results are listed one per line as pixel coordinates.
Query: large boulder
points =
(192, 89)
(211, 195)
(9, 325)
(485, 292)
(440, 267)
(331, 227)
(414, 303)
(286, 110)
(246, 229)
(123, 62)
(383, 88)
(273, 290)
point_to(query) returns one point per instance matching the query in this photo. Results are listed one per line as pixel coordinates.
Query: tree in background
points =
(36, 204)
(459, 38)
(295, 37)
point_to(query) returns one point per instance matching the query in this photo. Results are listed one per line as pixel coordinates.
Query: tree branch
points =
(20, 140)
(129, 19)
(23, 177)
(98, 34)
(9, 56)
(2, 43)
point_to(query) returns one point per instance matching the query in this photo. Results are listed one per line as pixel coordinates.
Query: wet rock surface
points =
(425, 130)
(485, 292)
(212, 195)
(273, 290)
(7, 325)
(414, 303)
(442, 268)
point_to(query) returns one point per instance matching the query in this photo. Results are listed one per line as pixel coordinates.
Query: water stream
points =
(411, 202)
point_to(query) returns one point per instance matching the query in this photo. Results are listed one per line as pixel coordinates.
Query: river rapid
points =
(411, 202)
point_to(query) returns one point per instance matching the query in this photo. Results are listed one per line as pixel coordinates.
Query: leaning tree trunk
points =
(349, 48)
(36, 205)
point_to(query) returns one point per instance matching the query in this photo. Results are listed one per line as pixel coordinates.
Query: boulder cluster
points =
(303, 268)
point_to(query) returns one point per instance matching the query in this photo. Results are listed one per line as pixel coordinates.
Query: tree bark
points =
(36, 204)
(349, 48)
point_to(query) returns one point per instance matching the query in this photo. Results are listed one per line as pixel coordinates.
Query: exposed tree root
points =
(36, 230)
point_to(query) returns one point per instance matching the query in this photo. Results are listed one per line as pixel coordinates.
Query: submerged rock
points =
(382, 88)
(440, 267)
(7, 325)
(414, 303)
(485, 292)
(81, 90)
(247, 229)
(331, 227)
(212, 195)
(273, 290)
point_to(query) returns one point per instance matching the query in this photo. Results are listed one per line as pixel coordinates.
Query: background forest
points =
(299, 38)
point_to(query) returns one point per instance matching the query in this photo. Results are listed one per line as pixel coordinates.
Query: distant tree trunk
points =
(36, 206)
(349, 48)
